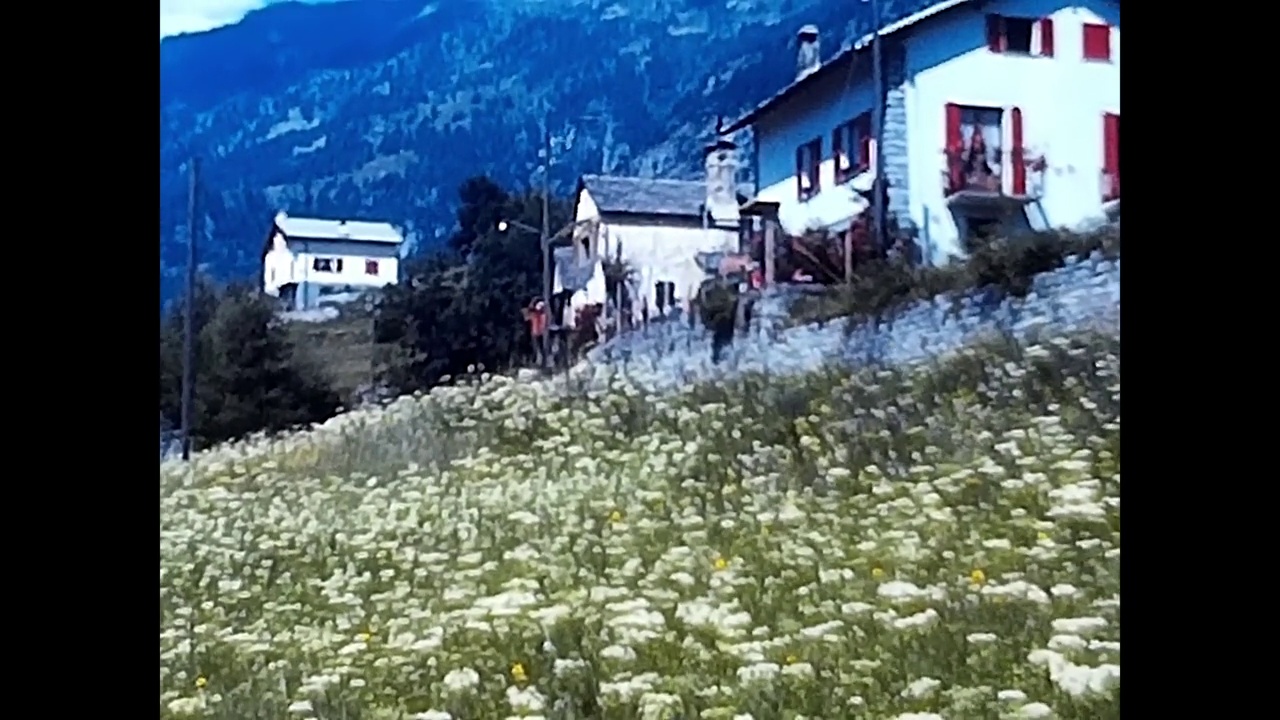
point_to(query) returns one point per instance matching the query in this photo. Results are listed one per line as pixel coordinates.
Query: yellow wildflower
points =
(877, 573)
(977, 576)
(1042, 536)
(518, 673)
(201, 682)
(792, 660)
(721, 563)
(615, 517)
(364, 637)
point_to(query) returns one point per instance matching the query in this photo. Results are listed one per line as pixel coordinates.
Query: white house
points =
(999, 115)
(306, 258)
(656, 226)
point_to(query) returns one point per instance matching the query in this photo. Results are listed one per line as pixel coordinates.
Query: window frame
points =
(998, 35)
(334, 264)
(809, 166)
(854, 132)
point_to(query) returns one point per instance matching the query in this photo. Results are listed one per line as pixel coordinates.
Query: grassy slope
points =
(343, 347)
(830, 545)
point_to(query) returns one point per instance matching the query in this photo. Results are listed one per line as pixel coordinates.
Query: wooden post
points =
(848, 255)
(770, 248)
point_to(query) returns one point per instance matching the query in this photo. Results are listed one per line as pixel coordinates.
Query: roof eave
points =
(862, 44)
(378, 241)
(619, 214)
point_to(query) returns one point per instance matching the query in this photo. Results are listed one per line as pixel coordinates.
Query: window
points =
(1097, 42)
(664, 294)
(370, 267)
(808, 162)
(1020, 36)
(327, 265)
(973, 141)
(851, 147)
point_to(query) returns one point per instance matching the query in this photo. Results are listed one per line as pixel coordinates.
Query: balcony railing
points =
(1013, 178)
(1110, 185)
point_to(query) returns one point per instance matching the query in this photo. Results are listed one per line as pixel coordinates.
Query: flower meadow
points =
(939, 541)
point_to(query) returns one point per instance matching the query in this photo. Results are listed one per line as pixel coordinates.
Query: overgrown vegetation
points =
(942, 541)
(1003, 268)
(250, 376)
(460, 308)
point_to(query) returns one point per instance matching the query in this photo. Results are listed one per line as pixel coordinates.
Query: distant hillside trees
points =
(248, 377)
(460, 307)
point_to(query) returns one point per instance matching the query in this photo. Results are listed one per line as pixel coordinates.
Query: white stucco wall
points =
(658, 253)
(1062, 99)
(294, 262)
(666, 254)
(815, 113)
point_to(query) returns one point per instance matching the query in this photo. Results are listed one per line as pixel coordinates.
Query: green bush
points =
(1008, 267)
(249, 376)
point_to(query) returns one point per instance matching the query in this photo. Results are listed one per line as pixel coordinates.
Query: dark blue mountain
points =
(380, 108)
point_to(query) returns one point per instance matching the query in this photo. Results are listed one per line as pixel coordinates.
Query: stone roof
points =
(645, 196)
(649, 196)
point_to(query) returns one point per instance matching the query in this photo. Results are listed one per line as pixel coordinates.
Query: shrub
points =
(1006, 267)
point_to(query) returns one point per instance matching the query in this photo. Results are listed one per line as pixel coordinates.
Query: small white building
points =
(305, 259)
(998, 116)
(658, 227)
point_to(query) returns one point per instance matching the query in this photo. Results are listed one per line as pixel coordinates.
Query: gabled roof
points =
(350, 230)
(648, 196)
(645, 196)
(841, 57)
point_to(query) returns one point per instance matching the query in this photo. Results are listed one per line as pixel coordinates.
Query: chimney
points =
(722, 182)
(810, 57)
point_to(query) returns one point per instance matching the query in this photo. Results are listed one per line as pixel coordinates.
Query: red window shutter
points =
(995, 33)
(1046, 37)
(370, 267)
(864, 141)
(1016, 153)
(1097, 42)
(954, 147)
(1111, 156)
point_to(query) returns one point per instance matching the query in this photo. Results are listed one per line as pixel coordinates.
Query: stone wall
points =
(1084, 293)
(895, 134)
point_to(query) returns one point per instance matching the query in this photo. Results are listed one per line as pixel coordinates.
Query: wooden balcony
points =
(1002, 190)
(1111, 195)
(1110, 185)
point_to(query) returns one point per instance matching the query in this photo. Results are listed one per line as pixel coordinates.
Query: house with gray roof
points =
(306, 260)
(977, 119)
(658, 227)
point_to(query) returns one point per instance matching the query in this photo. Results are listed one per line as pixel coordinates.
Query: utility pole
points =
(877, 129)
(546, 238)
(848, 255)
(188, 335)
